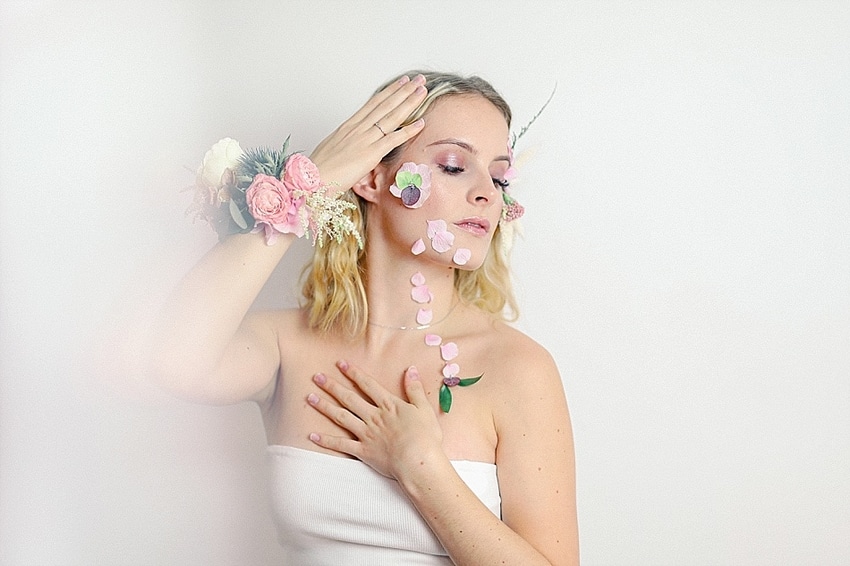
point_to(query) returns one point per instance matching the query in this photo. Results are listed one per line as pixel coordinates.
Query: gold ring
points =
(380, 129)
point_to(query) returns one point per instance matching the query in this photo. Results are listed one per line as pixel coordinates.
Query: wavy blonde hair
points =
(334, 286)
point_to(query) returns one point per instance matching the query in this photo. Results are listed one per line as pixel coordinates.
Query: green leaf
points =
(445, 398)
(406, 178)
(237, 215)
(469, 381)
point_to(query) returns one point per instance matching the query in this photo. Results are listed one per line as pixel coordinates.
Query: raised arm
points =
(206, 345)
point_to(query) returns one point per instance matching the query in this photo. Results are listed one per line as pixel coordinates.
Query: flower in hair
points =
(412, 184)
(511, 209)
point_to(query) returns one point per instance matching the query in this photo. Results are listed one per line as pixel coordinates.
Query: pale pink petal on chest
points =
(448, 351)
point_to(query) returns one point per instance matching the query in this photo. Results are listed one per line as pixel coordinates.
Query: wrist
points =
(423, 473)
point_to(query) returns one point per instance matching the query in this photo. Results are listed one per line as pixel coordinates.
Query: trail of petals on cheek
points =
(462, 256)
(418, 247)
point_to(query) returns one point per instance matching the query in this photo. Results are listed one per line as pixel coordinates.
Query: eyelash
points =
(452, 170)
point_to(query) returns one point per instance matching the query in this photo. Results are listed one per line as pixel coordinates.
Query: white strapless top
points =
(332, 511)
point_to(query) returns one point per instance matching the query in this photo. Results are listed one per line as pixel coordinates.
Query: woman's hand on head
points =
(358, 145)
(391, 435)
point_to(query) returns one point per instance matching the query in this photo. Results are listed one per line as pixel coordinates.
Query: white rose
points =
(223, 155)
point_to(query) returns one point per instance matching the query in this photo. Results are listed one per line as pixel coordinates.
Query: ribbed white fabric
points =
(337, 511)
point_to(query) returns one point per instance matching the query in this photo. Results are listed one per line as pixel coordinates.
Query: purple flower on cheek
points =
(412, 184)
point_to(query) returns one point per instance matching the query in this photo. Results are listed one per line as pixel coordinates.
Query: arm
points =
(206, 346)
(534, 458)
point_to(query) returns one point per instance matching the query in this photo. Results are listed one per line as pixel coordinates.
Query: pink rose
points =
(272, 205)
(301, 174)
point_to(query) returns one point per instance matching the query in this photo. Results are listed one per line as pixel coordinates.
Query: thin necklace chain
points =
(418, 327)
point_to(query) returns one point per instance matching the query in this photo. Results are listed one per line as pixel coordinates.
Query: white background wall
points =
(686, 259)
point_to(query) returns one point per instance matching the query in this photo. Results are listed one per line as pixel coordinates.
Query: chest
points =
(468, 429)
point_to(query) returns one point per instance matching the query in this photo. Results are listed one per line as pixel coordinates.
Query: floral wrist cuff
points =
(267, 190)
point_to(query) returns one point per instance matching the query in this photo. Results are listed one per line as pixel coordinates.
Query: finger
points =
(369, 386)
(337, 444)
(396, 115)
(380, 97)
(343, 417)
(392, 112)
(400, 136)
(414, 389)
(346, 397)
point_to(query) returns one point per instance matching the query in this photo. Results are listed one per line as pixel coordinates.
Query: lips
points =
(476, 225)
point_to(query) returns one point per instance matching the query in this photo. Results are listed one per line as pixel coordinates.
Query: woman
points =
(384, 445)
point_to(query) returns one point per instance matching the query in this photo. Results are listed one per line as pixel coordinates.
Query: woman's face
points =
(464, 148)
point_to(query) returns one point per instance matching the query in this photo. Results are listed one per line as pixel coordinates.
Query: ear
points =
(373, 185)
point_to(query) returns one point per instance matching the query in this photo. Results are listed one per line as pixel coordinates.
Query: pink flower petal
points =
(435, 226)
(451, 370)
(424, 316)
(418, 279)
(432, 340)
(421, 294)
(418, 247)
(442, 241)
(448, 351)
(462, 256)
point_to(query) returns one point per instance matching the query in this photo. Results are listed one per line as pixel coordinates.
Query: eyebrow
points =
(467, 147)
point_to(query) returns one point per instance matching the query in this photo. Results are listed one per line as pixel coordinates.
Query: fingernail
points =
(314, 437)
(403, 80)
(320, 378)
(419, 123)
(343, 365)
(419, 79)
(419, 90)
(312, 398)
(412, 372)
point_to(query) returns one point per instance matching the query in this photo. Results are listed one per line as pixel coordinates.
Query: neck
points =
(390, 292)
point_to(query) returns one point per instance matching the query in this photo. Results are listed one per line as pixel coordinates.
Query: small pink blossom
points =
(448, 351)
(451, 381)
(418, 278)
(462, 256)
(441, 239)
(273, 208)
(418, 247)
(300, 173)
(432, 340)
(451, 370)
(424, 316)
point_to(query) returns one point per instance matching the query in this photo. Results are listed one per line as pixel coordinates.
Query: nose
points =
(483, 192)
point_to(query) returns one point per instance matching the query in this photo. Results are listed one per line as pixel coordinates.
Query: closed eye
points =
(451, 169)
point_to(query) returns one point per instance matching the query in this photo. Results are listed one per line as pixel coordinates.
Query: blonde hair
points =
(334, 286)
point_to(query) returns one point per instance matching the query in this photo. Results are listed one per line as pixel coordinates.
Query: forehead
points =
(470, 118)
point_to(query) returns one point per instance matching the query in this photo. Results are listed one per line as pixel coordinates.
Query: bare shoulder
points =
(520, 359)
